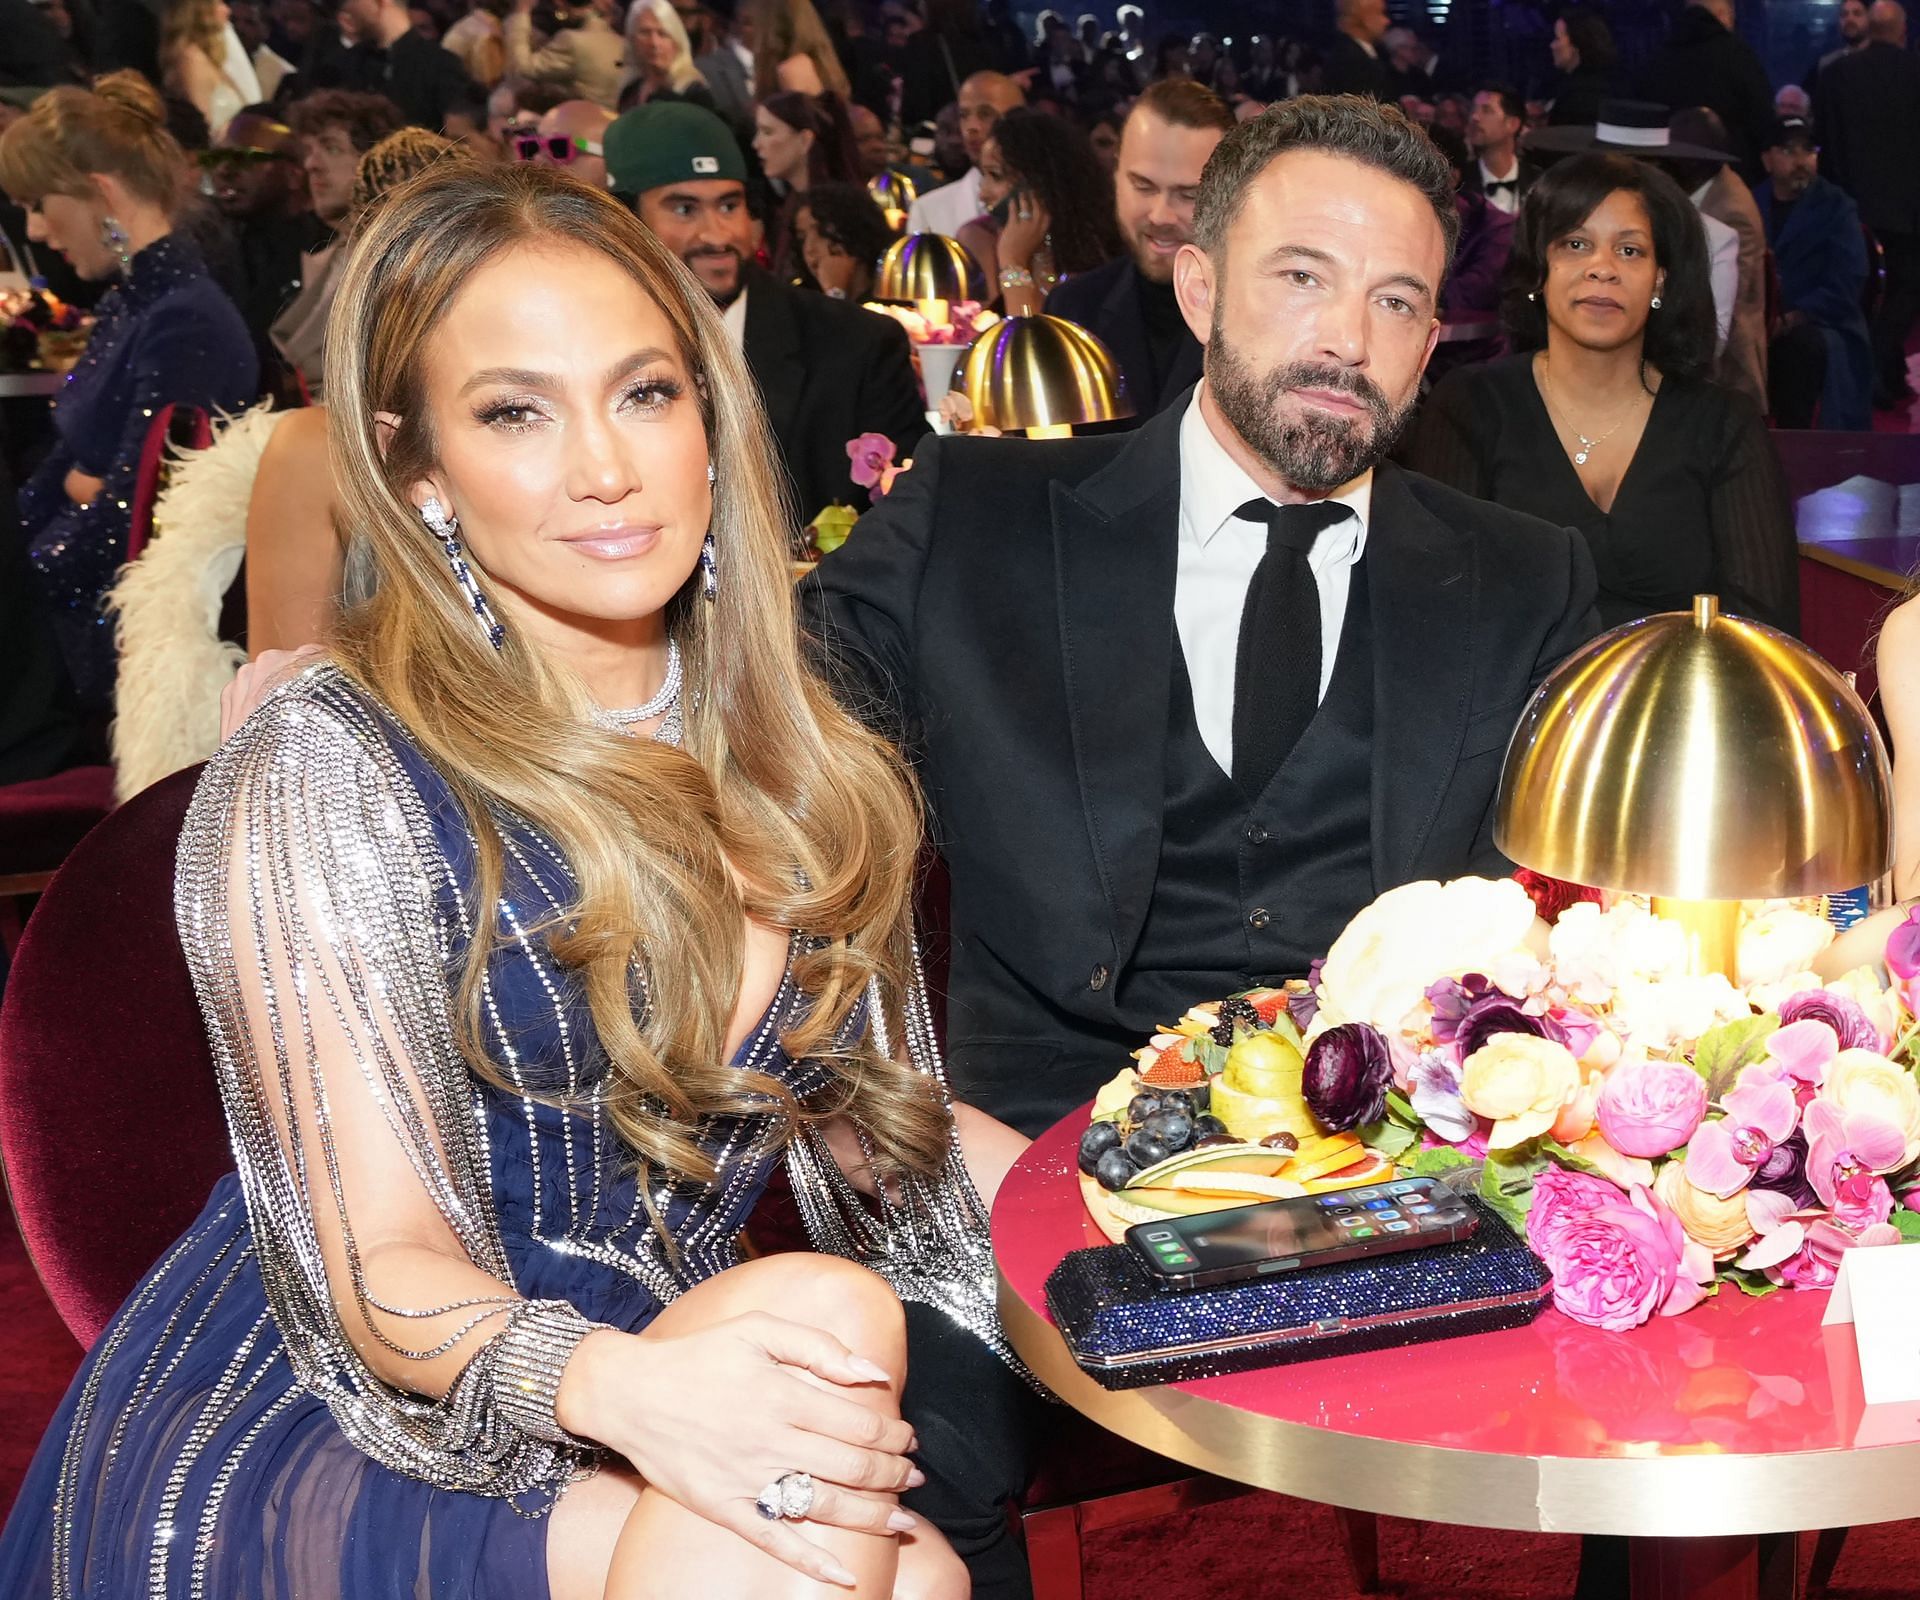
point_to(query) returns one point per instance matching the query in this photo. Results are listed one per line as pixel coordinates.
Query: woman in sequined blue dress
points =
(515, 997)
(99, 175)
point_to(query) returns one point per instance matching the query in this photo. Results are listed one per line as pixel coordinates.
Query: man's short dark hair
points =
(1509, 98)
(1350, 125)
(1185, 103)
(367, 118)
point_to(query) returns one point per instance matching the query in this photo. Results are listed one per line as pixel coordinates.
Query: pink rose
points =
(1560, 1193)
(1648, 1108)
(1616, 1265)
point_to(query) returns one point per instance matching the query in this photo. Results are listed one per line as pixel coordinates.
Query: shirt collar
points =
(1488, 175)
(1213, 486)
(734, 320)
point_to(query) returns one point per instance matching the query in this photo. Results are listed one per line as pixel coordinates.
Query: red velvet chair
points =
(110, 1122)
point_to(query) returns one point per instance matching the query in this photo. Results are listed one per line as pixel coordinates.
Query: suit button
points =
(1097, 979)
(1257, 918)
(1257, 834)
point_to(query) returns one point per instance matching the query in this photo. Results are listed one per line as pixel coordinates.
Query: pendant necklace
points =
(665, 705)
(1587, 445)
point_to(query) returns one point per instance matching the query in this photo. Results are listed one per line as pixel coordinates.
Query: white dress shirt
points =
(1507, 200)
(1217, 555)
(1723, 269)
(948, 208)
(734, 321)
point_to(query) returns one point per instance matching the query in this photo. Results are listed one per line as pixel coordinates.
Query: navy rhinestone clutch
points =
(1125, 1332)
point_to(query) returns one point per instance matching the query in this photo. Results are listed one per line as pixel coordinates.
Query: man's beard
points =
(721, 298)
(1317, 452)
(1153, 266)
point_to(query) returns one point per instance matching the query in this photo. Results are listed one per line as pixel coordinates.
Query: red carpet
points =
(1262, 1545)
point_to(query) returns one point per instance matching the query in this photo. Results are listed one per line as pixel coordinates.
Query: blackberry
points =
(1236, 1010)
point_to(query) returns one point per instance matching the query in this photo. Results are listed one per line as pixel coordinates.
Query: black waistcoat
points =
(1253, 890)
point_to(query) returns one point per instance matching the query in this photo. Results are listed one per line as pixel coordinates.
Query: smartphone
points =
(1312, 1231)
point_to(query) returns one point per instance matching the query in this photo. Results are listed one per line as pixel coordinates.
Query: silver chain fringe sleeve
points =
(308, 893)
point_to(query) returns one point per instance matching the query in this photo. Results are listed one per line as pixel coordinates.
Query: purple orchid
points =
(1723, 1156)
(1434, 1080)
(1846, 1153)
(1903, 958)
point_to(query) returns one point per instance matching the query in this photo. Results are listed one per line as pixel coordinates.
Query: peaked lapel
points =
(1423, 589)
(1116, 540)
(771, 343)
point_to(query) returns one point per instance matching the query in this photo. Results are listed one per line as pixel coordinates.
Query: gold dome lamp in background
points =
(894, 193)
(1041, 376)
(1700, 759)
(928, 270)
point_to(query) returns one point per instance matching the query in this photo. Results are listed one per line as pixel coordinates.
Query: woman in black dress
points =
(1605, 419)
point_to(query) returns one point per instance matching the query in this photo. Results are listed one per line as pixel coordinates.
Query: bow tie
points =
(1494, 185)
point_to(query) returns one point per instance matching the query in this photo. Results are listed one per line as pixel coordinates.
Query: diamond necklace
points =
(665, 705)
(1587, 446)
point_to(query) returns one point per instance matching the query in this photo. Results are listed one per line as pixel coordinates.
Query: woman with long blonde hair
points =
(660, 58)
(531, 929)
(202, 60)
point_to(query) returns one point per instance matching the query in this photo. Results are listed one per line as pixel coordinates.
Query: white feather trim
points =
(173, 662)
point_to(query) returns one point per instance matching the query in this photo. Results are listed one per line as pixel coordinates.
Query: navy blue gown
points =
(218, 1440)
(165, 335)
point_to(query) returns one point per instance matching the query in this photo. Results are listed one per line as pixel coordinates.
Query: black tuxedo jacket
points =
(1869, 105)
(1008, 611)
(828, 372)
(1106, 302)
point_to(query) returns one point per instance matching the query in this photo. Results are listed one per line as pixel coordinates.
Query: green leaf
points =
(1441, 1158)
(1400, 1110)
(1755, 1285)
(1908, 1222)
(1506, 1183)
(1572, 1159)
(1210, 1055)
(1386, 1137)
(1724, 1050)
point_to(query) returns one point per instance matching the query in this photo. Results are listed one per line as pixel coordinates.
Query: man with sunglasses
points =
(571, 137)
(255, 177)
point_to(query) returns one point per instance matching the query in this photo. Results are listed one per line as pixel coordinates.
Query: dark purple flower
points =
(1850, 1024)
(1303, 1005)
(1349, 1070)
(1469, 1011)
(1785, 1171)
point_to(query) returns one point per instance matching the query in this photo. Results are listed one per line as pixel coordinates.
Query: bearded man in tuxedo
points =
(1184, 700)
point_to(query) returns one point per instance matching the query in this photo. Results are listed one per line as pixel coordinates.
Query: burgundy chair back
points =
(110, 1121)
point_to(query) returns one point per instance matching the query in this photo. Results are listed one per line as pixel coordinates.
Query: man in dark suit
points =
(1184, 700)
(1129, 304)
(1705, 63)
(1866, 112)
(828, 371)
(1353, 63)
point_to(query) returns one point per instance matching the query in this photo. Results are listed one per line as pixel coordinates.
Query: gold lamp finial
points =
(894, 193)
(1041, 375)
(1697, 757)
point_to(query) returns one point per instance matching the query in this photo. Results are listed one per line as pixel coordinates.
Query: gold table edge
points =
(1680, 1496)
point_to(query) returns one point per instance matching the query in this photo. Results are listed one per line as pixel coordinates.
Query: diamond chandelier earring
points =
(709, 577)
(114, 237)
(446, 528)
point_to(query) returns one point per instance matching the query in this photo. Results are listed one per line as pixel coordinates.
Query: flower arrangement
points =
(940, 321)
(1657, 1133)
(873, 469)
(39, 330)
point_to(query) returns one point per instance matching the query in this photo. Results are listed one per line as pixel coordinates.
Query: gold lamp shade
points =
(1698, 757)
(894, 193)
(928, 266)
(1041, 375)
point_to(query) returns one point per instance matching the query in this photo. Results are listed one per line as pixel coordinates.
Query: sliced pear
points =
(1228, 1157)
(1257, 1184)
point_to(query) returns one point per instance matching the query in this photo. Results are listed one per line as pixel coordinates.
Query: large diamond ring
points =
(789, 1496)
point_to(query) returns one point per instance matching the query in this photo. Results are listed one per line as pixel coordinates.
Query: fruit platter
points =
(1210, 1114)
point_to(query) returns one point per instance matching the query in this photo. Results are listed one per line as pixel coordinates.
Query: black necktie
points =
(1276, 673)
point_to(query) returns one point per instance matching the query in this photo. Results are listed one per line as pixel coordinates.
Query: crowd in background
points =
(227, 147)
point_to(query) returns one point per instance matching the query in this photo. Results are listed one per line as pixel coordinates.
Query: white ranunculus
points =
(1595, 952)
(1379, 968)
(1780, 941)
(1669, 1014)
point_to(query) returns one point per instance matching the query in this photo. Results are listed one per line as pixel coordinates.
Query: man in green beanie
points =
(828, 371)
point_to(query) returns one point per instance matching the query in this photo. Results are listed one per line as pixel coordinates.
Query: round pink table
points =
(1692, 1435)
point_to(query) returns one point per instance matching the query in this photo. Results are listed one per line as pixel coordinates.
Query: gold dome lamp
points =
(930, 271)
(1041, 376)
(1700, 759)
(894, 193)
